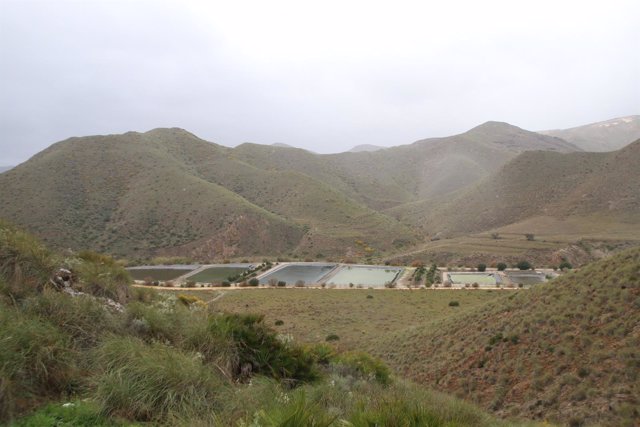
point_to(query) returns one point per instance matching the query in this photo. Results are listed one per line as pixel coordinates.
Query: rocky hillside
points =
(566, 351)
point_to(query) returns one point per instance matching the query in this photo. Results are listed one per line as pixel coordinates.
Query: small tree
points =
(482, 267)
(501, 266)
(299, 284)
(565, 265)
(254, 282)
(282, 283)
(524, 265)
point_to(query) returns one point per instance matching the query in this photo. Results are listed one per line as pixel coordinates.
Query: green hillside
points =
(168, 192)
(540, 183)
(565, 351)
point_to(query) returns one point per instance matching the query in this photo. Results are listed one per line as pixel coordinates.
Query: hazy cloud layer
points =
(319, 75)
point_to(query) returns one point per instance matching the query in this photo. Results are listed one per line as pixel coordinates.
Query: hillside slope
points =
(539, 184)
(608, 135)
(565, 351)
(165, 191)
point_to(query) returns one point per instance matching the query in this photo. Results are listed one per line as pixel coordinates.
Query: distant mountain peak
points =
(282, 145)
(365, 147)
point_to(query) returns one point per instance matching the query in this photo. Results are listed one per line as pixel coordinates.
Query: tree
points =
(565, 265)
(524, 265)
(254, 282)
(482, 267)
(501, 266)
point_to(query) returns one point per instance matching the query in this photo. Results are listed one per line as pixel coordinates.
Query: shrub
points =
(529, 236)
(257, 348)
(254, 282)
(150, 382)
(565, 265)
(282, 283)
(501, 266)
(475, 285)
(279, 322)
(299, 284)
(332, 337)
(226, 284)
(454, 304)
(364, 365)
(369, 296)
(482, 267)
(188, 300)
(524, 265)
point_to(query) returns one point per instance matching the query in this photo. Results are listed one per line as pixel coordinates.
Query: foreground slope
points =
(601, 136)
(565, 351)
(80, 347)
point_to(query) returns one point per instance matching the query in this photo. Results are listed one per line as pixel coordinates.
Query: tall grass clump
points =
(25, 263)
(84, 318)
(102, 276)
(151, 382)
(36, 362)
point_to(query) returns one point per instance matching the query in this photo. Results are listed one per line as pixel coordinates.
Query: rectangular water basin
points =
(160, 273)
(487, 279)
(309, 274)
(354, 276)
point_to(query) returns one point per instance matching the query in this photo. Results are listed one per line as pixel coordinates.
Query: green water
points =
(365, 276)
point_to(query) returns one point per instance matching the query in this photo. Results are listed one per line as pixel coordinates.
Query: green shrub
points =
(321, 353)
(282, 284)
(524, 265)
(454, 304)
(565, 265)
(226, 284)
(501, 266)
(279, 322)
(77, 414)
(149, 382)
(254, 282)
(482, 267)
(332, 337)
(258, 348)
(364, 365)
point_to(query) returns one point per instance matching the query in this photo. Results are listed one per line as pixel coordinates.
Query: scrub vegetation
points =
(113, 355)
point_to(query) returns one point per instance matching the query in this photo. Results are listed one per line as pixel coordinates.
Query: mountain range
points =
(168, 192)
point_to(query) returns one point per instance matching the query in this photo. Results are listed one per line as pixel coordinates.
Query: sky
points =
(320, 75)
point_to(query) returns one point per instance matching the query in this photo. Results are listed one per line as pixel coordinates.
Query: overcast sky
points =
(323, 75)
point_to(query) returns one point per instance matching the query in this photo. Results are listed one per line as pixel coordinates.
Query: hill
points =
(168, 192)
(534, 184)
(565, 351)
(608, 135)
